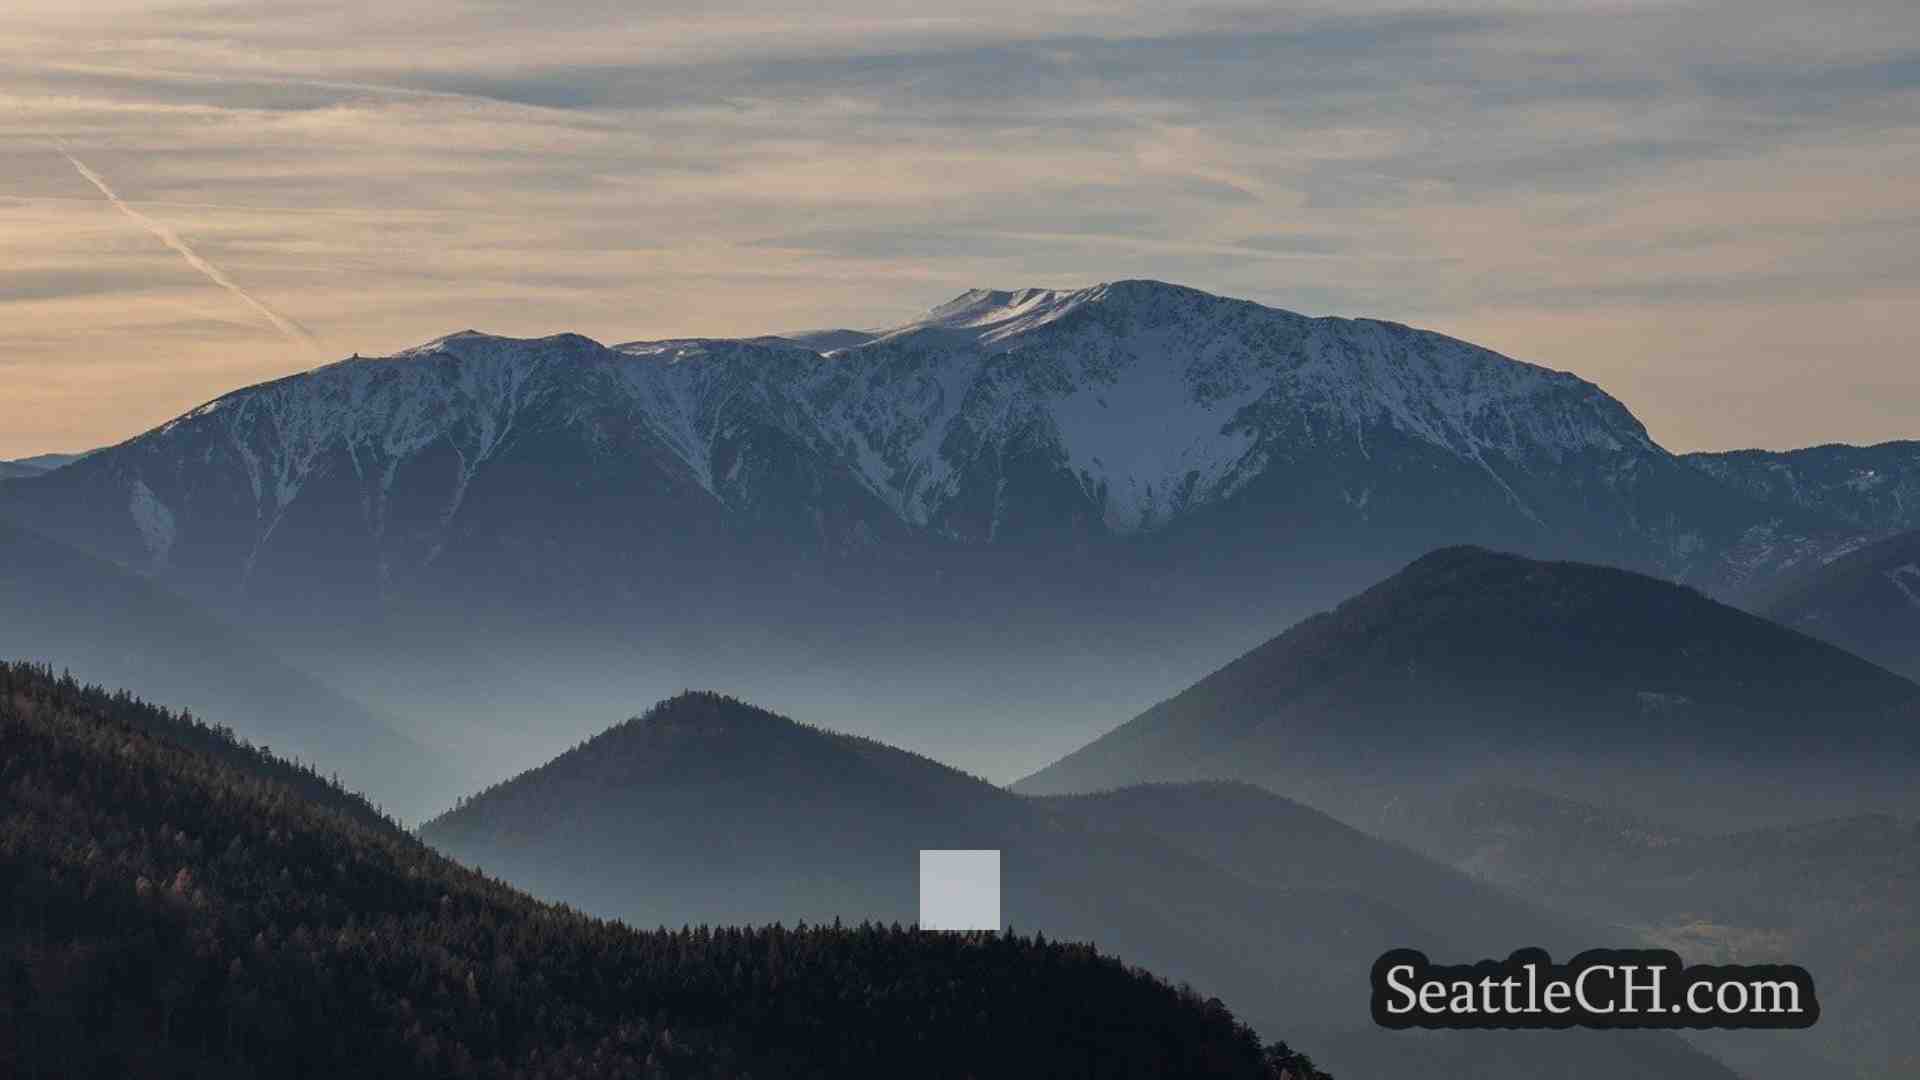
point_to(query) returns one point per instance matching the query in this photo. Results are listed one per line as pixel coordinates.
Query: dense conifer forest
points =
(179, 903)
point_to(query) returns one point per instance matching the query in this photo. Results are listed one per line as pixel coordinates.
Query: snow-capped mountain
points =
(1134, 417)
(1156, 401)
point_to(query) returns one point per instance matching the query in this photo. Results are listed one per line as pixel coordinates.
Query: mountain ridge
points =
(1124, 482)
(1875, 487)
(1117, 411)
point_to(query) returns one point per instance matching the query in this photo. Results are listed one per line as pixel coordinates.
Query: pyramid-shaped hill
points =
(1617, 687)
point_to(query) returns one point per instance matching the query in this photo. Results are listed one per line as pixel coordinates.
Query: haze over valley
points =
(1097, 495)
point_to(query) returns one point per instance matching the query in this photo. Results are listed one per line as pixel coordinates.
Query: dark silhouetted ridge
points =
(173, 903)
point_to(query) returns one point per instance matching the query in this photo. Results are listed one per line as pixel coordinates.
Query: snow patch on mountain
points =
(666, 382)
(893, 409)
(1164, 398)
(1148, 445)
(154, 520)
(988, 316)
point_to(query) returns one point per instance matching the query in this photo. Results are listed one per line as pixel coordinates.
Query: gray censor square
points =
(960, 890)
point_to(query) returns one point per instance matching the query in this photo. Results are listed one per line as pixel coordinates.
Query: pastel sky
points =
(1710, 209)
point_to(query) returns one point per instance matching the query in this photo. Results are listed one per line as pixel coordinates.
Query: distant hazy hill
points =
(709, 805)
(34, 466)
(1279, 843)
(1471, 664)
(1834, 876)
(1867, 601)
(107, 625)
(1526, 840)
(1840, 897)
(174, 904)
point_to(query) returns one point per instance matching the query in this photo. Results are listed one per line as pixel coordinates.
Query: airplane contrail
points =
(291, 329)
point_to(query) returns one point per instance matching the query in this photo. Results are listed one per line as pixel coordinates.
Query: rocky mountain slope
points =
(1134, 417)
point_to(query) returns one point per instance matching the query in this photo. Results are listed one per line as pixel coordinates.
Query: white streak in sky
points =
(293, 330)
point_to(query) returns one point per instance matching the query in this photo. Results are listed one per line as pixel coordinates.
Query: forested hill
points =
(209, 754)
(175, 903)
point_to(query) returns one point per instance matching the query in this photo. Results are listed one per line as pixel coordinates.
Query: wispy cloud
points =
(1626, 188)
(292, 330)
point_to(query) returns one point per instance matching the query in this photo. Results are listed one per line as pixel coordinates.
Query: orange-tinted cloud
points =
(1712, 224)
